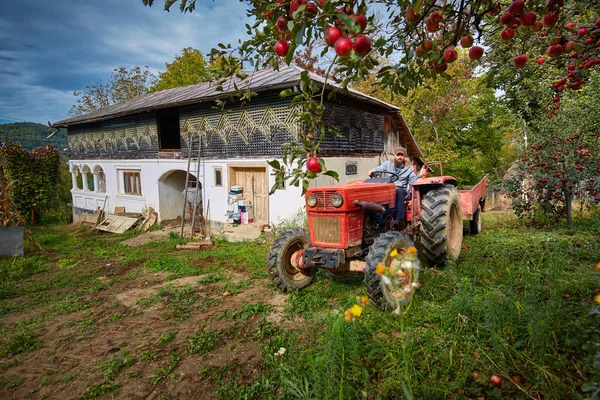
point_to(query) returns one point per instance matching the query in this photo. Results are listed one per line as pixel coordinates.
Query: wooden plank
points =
(116, 224)
(119, 210)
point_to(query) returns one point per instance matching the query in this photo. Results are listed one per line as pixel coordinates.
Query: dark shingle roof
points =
(257, 81)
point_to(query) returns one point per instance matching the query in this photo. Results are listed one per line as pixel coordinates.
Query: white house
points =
(134, 154)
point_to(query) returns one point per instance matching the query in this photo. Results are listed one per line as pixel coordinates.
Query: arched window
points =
(99, 179)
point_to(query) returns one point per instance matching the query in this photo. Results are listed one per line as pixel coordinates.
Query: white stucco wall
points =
(160, 192)
(161, 187)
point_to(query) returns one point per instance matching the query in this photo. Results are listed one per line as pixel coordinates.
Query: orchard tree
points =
(123, 84)
(421, 39)
(562, 161)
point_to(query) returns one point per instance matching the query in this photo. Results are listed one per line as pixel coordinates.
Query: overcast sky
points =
(48, 49)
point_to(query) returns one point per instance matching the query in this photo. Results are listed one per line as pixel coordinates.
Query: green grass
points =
(517, 304)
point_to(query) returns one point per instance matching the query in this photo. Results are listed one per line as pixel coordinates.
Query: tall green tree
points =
(189, 68)
(458, 121)
(123, 84)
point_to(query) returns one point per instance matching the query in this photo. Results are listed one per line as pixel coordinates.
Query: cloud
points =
(50, 49)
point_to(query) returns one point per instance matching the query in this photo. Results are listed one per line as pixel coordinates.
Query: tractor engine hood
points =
(380, 193)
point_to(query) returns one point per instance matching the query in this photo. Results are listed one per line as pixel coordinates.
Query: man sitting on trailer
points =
(406, 177)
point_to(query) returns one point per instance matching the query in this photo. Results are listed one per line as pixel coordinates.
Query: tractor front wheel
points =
(283, 260)
(382, 296)
(441, 225)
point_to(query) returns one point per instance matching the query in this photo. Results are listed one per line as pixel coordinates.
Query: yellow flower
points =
(412, 251)
(597, 298)
(356, 310)
(394, 253)
(380, 269)
(364, 299)
(348, 315)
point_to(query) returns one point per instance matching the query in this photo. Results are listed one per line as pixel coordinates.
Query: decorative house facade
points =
(136, 154)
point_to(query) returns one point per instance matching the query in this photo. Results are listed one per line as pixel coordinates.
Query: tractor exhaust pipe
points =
(369, 207)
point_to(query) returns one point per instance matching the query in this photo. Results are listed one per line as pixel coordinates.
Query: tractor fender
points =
(436, 181)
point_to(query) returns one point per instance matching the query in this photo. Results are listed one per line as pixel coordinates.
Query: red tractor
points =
(351, 222)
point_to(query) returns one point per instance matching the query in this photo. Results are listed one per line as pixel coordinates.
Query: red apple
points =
(570, 25)
(311, 10)
(321, 2)
(450, 56)
(411, 16)
(281, 48)
(495, 379)
(550, 19)
(441, 67)
(506, 18)
(332, 34)
(475, 52)
(529, 18)
(556, 99)
(360, 20)
(435, 17)
(582, 31)
(362, 45)
(282, 23)
(427, 45)
(507, 34)
(598, 22)
(520, 60)
(570, 45)
(312, 164)
(537, 26)
(541, 60)
(343, 47)
(466, 41)
(433, 27)
(516, 7)
(555, 50)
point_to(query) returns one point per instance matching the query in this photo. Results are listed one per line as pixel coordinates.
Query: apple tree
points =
(420, 39)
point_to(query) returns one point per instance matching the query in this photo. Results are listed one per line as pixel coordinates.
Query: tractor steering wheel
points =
(394, 176)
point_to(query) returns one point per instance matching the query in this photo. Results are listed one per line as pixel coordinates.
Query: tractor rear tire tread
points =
(437, 205)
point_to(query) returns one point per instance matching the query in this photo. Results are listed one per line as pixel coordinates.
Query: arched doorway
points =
(170, 194)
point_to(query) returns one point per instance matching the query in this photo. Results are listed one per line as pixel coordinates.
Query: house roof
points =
(257, 81)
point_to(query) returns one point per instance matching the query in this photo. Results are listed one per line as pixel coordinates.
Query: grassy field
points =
(95, 318)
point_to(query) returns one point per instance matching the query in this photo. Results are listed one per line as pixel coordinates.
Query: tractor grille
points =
(324, 200)
(327, 229)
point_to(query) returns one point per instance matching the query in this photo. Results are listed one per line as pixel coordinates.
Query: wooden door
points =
(253, 180)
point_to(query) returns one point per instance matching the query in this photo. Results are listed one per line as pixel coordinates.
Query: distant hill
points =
(32, 135)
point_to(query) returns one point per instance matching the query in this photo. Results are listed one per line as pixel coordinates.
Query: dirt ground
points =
(115, 326)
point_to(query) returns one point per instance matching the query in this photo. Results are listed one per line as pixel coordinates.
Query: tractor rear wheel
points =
(283, 260)
(381, 295)
(441, 225)
(476, 225)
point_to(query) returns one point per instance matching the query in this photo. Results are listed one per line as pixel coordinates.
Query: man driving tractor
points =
(406, 177)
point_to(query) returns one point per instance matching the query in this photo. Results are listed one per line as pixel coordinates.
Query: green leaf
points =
(351, 24)
(274, 164)
(332, 174)
(286, 93)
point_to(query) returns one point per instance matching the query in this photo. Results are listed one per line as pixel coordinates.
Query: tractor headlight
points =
(311, 200)
(337, 200)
